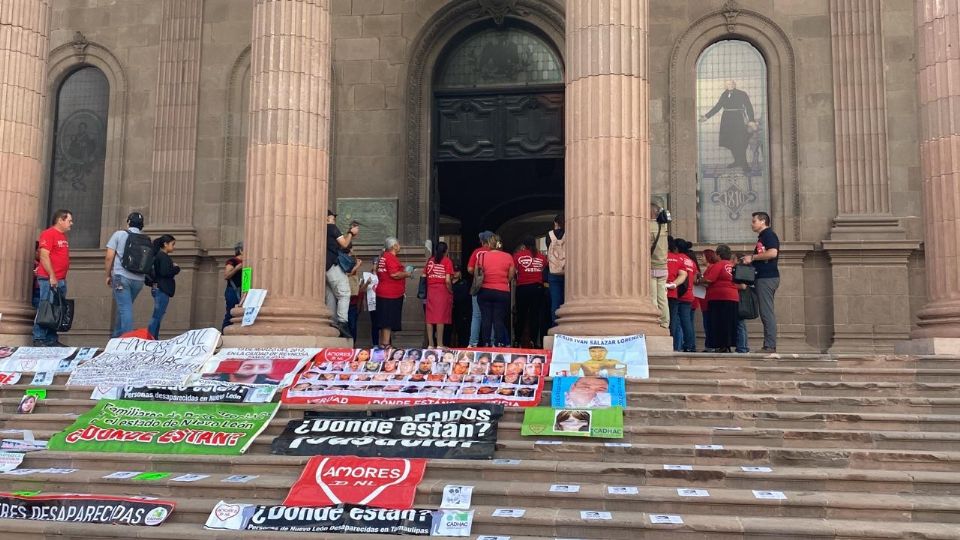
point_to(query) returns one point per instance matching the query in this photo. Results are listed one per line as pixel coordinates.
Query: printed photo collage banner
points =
(511, 377)
(44, 362)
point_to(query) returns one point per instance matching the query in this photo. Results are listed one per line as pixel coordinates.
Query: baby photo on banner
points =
(617, 356)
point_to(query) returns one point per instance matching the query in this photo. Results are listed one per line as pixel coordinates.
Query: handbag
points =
(55, 313)
(749, 307)
(477, 277)
(744, 273)
(422, 288)
(346, 262)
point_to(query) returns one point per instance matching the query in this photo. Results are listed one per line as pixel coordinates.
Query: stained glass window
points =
(500, 57)
(79, 151)
(733, 145)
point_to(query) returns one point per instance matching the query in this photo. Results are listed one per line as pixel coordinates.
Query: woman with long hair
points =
(494, 296)
(164, 286)
(709, 257)
(530, 264)
(687, 300)
(723, 297)
(439, 307)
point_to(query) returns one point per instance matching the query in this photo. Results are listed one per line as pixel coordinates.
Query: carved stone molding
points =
(730, 11)
(498, 9)
(80, 45)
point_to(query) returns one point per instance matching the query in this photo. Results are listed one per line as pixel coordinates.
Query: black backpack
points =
(137, 254)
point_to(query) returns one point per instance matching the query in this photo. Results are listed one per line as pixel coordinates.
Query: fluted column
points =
(938, 59)
(287, 166)
(24, 46)
(175, 131)
(607, 208)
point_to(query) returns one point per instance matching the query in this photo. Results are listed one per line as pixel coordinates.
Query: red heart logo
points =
(28, 364)
(226, 511)
(525, 261)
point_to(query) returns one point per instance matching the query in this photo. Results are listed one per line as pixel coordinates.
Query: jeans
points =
(743, 345)
(45, 335)
(675, 330)
(125, 291)
(475, 323)
(684, 312)
(353, 314)
(338, 293)
(494, 310)
(232, 297)
(556, 283)
(690, 339)
(160, 302)
(766, 288)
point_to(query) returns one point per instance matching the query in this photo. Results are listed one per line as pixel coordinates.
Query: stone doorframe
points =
(731, 22)
(546, 15)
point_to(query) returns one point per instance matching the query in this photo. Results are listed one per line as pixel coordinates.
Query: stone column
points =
(867, 245)
(607, 208)
(24, 46)
(175, 131)
(938, 61)
(287, 171)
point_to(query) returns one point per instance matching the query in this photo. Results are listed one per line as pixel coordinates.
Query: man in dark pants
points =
(764, 260)
(737, 112)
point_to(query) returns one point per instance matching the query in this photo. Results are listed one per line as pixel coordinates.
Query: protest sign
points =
(252, 302)
(35, 359)
(257, 366)
(603, 423)
(221, 393)
(455, 431)
(75, 508)
(9, 378)
(588, 392)
(138, 362)
(617, 356)
(511, 377)
(165, 428)
(339, 519)
(10, 461)
(380, 482)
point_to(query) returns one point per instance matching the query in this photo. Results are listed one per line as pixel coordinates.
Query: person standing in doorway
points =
(338, 285)
(233, 275)
(164, 272)
(471, 269)
(392, 277)
(764, 260)
(126, 284)
(494, 295)
(557, 263)
(54, 254)
(439, 308)
(530, 264)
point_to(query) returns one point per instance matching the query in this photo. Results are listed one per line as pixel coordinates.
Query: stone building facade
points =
(356, 104)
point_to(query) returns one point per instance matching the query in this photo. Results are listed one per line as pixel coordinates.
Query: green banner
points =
(165, 428)
(603, 423)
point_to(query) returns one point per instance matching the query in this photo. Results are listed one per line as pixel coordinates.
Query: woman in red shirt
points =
(494, 296)
(723, 297)
(392, 283)
(676, 276)
(530, 264)
(439, 311)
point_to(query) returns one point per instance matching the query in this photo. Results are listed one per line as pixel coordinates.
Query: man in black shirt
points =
(764, 260)
(338, 285)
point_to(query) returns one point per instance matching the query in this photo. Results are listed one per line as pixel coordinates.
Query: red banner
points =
(381, 482)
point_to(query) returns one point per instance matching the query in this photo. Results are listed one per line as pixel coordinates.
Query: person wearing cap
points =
(233, 275)
(471, 265)
(338, 284)
(125, 284)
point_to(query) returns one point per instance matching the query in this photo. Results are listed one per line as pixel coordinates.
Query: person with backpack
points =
(556, 265)
(129, 258)
(164, 286)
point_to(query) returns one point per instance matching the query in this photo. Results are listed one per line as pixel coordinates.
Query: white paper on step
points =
(691, 492)
(190, 477)
(678, 467)
(595, 515)
(623, 490)
(564, 488)
(775, 495)
(509, 512)
(665, 519)
(456, 497)
(708, 446)
(120, 475)
(756, 469)
(240, 478)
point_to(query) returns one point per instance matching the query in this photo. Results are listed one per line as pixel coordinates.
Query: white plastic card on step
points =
(678, 467)
(120, 475)
(776, 495)
(488, 537)
(548, 442)
(665, 519)
(509, 512)
(726, 428)
(190, 477)
(564, 488)
(623, 490)
(691, 492)
(240, 478)
(756, 469)
(708, 446)
(595, 515)
(59, 471)
(42, 378)
(456, 497)
(506, 462)
(617, 445)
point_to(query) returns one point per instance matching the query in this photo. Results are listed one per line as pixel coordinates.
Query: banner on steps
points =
(616, 356)
(340, 519)
(381, 482)
(588, 392)
(454, 431)
(223, 393)
(38, 359)
(511, 377)
(601, 423)
(165, 428)
(139, 362)
(77, 508)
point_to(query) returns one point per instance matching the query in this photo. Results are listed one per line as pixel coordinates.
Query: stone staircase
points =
(861, 446)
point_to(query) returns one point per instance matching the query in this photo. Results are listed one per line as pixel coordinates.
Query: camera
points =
(663, 217)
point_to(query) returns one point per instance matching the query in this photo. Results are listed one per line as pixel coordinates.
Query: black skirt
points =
(389, 313)
(723, 323)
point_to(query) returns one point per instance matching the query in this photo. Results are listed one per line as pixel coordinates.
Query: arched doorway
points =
(497, 147)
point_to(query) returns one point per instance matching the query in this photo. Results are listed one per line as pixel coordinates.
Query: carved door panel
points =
(533, 126)
(467, 127)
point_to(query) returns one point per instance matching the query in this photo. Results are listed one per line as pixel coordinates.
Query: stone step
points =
(830, 374)
(790, 388)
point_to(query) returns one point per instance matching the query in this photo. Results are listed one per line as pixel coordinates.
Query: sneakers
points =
(768, 350)
(344, 330)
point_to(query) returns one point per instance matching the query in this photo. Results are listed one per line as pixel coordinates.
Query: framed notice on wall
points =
(378, 218)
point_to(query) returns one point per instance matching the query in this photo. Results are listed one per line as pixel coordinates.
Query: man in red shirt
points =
(54, 264)
(392, 284)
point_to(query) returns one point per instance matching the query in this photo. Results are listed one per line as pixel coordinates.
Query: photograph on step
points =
(614, 356)
(588, 392)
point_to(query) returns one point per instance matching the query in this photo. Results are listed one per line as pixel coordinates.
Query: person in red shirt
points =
(471, 268)
(686, 305)
(392, 285)
(709, 257)
(677, 277)
(723, 297)
(494, 296)
(439, 311)
(530, 264)
(54, 251)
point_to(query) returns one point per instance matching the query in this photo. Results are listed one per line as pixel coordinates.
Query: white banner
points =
(38, 359)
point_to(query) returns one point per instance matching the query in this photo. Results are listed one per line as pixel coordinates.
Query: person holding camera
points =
(658, 260)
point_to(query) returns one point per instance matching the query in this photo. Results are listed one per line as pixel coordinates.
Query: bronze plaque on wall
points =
(377, 217)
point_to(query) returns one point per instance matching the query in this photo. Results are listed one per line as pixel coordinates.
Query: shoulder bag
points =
(477, 276)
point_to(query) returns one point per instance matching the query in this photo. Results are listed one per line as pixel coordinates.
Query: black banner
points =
(104, 509)
(454, 431)
(226, 393)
